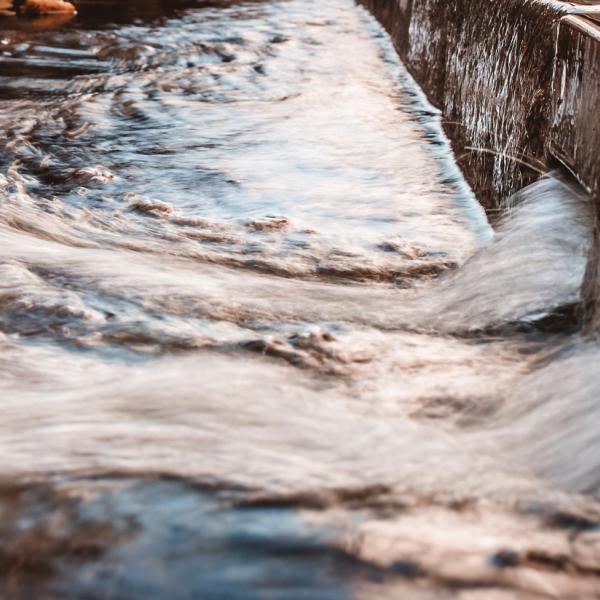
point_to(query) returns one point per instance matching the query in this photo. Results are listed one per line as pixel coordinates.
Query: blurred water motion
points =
(258, 339)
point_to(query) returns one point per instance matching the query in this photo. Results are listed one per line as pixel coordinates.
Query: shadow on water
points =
(93, 14)
(136, 539)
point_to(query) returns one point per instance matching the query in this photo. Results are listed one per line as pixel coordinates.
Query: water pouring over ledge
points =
(258, 337)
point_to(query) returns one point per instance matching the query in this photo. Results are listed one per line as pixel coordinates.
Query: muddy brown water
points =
(257, 337)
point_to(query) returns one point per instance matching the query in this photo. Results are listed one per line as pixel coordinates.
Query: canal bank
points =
(517, 81)
(518, 84)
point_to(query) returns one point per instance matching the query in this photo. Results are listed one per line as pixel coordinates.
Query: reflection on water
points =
(258, 339)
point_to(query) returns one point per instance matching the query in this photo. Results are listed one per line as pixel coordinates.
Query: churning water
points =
(258, 339)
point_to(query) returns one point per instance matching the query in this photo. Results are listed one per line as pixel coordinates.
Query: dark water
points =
(259, 340)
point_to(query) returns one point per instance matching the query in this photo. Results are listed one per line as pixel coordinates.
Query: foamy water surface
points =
(257, 337)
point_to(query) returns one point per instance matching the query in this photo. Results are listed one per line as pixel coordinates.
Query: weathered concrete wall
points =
(575, 133)
(518, 82)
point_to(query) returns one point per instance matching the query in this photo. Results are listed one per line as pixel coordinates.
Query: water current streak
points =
(257, 337)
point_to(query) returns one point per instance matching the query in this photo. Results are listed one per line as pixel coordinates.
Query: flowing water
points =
(257, 337)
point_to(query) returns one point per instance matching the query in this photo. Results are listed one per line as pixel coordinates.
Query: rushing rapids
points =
(257, 337)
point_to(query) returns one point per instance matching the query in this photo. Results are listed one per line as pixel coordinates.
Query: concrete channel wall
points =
(518, 83)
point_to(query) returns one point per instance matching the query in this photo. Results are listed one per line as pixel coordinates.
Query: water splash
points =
(234, 258)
